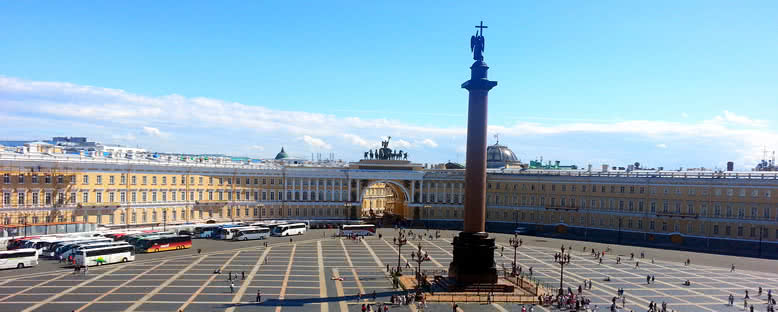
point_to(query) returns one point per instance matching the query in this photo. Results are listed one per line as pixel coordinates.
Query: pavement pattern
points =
(302, 276)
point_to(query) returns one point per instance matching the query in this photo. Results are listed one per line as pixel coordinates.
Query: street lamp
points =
(514, 242)
(562, 261)
(400, 241)
(348, 211)
(419, 258)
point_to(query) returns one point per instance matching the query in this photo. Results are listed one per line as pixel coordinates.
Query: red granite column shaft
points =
(475, 168)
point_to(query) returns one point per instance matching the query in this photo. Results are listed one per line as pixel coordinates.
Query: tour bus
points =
(105, 255)
(229, 233)
(356, 229)
(77, 249)
(73, 244)
(18, 258)
(50, 247)
(290, 229)
(251, 233)
(206, 231)
(135, 237)
(17, 243)
(163, 243)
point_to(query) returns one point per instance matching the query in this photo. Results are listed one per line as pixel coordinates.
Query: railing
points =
(561, 208)
(677, 215)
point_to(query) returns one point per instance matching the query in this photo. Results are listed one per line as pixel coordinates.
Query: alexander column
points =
(473, 249)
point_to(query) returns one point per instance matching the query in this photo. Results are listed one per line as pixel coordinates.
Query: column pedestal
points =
(473, 259)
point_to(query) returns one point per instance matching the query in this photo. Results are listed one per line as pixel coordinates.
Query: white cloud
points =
(154, 132)
(429, 143)
(257, 147)
(357, 140)
(400, 143)
(661, 145)
(29, 108)
(740, 120)
(315, 142)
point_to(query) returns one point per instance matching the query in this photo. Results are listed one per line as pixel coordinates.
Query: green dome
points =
(281, 154)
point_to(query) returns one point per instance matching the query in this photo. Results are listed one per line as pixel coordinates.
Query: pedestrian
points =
(747, 297)
(731, 299)
(637, 264)
(259, 296)
(364, 308)
(732, 269)
(199, 251)
(232, 287)
(374, 295)
(648, 279)
(653, 278)
(243, 275)
(454, 307)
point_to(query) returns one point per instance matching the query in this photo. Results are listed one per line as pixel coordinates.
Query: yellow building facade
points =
(136, 192)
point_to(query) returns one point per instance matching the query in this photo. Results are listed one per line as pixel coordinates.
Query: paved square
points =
(300, 276)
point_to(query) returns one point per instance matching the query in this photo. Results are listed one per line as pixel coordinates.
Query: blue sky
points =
(665, 83)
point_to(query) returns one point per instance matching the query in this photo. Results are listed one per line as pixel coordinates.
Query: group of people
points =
(750, 307)
(656, 307)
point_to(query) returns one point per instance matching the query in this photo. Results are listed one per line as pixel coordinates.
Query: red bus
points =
(163, 243)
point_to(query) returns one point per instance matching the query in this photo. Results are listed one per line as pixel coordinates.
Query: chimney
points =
(730, 166)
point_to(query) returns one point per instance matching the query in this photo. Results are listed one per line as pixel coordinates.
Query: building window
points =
(85, 179)
(111, 180)
(85, 197)
(123, 197)
(143, 197)
(99, 180)
(154, 182)
(21, 199)
(651, 225)
(164, 180)
(73, 197)
(99, 197)
(34, 198)
(144, 180)
(164, 196)
(47, 179)
(123, 180)
(134, 181)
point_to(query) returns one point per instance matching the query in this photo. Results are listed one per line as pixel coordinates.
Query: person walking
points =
(243, 275)
(232, 287)
(259, 295)
(454, 307)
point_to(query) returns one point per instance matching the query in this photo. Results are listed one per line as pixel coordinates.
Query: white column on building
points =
(317, 190)
(421, 191)
(413, 191)
(300, 188)
(285, 186)
(359, 188)
(349, 189)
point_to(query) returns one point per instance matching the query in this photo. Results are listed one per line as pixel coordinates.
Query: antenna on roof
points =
(497, 138)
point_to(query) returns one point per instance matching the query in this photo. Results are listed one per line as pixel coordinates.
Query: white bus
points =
(252, 233)
(105, 255)
(356, 229)
(229, 233)
(18, 258)
(290, 229)
(77, 250)
(73, 244)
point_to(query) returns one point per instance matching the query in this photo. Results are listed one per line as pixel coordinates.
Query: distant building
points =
(500, 156)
